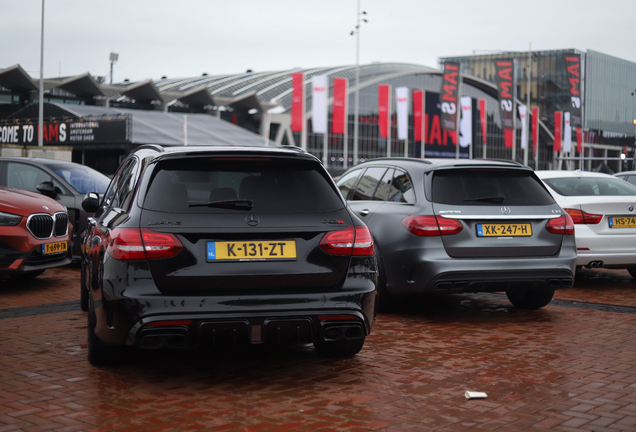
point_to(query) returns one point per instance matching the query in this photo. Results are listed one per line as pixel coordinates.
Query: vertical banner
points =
(298, 102)
(567, 133)
(339, 111)
(523, 115)
(449, 96)
(466, 122)
(573, 66)
(505, 84)
(418, 115)
(483, 120)
(579, 140)
(319, 104)
(384, 109)
(557, 131)
(535, 129)
(402, 108)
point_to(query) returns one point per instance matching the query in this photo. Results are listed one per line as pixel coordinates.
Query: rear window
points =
(211, 185)
(478, 186)
(590, 186)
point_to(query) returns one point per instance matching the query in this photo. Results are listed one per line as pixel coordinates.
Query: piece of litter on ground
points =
(475, 395)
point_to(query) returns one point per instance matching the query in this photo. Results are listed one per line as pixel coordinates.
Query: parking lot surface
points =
(570, 366)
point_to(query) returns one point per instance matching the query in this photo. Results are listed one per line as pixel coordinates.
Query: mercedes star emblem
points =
(505, 210)
(252, 220)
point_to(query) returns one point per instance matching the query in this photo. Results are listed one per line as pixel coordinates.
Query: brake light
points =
(135, 244)
(354, 240)
(561, 225)
(582, 218)
(427, 226)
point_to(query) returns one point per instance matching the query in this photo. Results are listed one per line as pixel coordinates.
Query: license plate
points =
(501, 230)
(53, 248)
(251, 250)
(622, 221)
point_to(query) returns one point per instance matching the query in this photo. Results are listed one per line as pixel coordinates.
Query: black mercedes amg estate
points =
(195, 247)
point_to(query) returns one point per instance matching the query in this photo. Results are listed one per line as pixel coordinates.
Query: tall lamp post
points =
(356, 107)
(41, 90)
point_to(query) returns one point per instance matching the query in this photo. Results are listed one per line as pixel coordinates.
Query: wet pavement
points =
(570, 366)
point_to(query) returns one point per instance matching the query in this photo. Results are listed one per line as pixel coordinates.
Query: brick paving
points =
(558, 368)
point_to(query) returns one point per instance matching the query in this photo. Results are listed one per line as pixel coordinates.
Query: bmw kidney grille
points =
(44, 226)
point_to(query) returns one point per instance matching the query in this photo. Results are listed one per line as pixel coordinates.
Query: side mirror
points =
(47, 188)
(90, 203)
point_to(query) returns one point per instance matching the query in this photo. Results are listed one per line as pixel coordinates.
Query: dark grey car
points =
(66, 182)
(463, 226)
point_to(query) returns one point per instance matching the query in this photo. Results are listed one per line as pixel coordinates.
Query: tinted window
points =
(348, 181)
(590, 186)
(401, 189)
(488, 187)
(368, 184)
(273, 186)
(27, 177)
(82, 178)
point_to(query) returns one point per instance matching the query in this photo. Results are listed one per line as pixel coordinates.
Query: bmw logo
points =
(630, 208)
(46, 208)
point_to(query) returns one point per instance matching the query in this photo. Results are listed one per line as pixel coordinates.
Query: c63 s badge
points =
(166, 223)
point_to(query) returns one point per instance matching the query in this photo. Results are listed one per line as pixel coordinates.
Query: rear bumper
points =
(613, 250)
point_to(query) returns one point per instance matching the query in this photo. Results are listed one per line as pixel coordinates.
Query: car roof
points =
(434, 163)
(576, 173)
(624, 173)
(158, 152)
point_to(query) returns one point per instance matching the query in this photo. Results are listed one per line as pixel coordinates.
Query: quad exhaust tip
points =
(594, 264)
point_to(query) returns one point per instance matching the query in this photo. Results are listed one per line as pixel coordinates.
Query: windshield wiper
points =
(239, 204)
(494, 198)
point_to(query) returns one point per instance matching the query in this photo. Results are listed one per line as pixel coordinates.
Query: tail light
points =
(561, 225)
(355, 240)
(581, 218)
(139, 244)
(427, 226)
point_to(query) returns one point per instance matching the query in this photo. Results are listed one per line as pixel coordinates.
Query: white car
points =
(603, 208)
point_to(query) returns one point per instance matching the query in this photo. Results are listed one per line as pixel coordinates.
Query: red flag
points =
(557, 131)
(418, 115)
(535, 129)
(579, 139)
(298, 102)
(449, 97)
(508, 135)
(483, 119)
(384, 109)
(339, 111)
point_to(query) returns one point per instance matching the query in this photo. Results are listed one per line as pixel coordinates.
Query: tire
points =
(527, 299)
(100, 354)
(386, 300)
(342, 348)
(83, 288)
(632, 271)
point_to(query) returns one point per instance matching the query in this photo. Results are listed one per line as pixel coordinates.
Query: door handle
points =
(364, 212)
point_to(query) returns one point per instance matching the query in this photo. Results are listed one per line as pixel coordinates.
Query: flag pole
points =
(528, 109)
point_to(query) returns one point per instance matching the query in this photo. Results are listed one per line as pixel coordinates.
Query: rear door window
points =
(401, 188)
(486, 186)
(217, 185)
(368, 184)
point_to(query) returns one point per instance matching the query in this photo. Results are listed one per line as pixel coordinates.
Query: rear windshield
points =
(590, 186)
(478, 186)
(214, 185)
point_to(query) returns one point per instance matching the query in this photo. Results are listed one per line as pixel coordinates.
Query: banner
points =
(418, 115)
(384, 109)
(483, 119)
(523, 115)
(567, 133)
(579, 139)
(298, 102)
(535, 129)
(557, 131)
(402, 108)
(505, 84)
(466, 125)
(450, 97)
(339, 110)
(319, 104)
(573, 66)
(76, 131)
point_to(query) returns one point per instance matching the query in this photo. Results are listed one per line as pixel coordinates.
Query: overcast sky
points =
(185, 38)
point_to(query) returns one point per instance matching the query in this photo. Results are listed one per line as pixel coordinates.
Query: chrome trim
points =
(53, 218)
(502, 217)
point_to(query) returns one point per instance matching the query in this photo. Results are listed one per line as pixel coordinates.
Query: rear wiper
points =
(240, 204)
(494, 198)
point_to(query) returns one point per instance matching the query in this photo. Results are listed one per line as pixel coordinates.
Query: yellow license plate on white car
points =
(251, 250)
(53, 248)
(622, 221)
(504, 230)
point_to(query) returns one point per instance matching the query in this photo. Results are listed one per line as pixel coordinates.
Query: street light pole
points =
(41, 91)
(356, 108)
